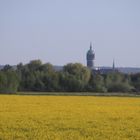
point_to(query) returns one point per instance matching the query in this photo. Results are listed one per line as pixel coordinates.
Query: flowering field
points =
(69, 118)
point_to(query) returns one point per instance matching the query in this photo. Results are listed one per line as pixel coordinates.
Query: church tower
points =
(90, 58)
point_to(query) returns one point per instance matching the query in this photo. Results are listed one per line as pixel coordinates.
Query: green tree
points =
(117, 82)
(135, 80)
(96, 83)
(34, 65)
(8, 81)
(50, 78)
(75, 77)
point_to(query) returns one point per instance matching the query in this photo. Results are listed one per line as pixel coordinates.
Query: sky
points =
(60, 31)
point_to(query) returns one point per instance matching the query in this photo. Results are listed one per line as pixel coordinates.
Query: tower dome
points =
(90, 58)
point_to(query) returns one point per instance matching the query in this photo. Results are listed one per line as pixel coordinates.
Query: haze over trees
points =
(36, 76)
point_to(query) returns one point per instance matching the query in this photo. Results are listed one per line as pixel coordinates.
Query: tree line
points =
(36, 76)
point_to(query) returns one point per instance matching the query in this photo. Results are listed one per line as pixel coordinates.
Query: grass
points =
(81, 94)
(69, 118)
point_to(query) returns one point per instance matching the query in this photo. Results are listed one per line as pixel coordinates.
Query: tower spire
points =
(90, 45)
(113, 64)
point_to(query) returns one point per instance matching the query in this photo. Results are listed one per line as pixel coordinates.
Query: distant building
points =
(90, 58)
(103, 70)
(91, 63)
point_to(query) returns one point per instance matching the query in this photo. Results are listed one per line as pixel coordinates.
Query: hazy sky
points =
(60, 31)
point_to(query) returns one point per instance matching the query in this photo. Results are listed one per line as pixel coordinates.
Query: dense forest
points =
(36, 76)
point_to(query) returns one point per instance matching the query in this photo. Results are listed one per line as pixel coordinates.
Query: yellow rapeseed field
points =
(69, 118)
